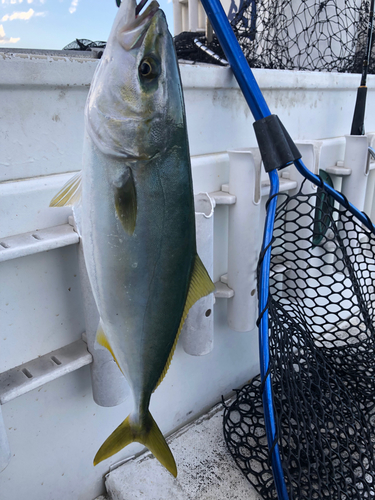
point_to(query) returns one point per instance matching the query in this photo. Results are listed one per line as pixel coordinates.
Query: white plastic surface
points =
(356, 158)
(243, 241)
(40, 305)
(38, 241)
(370, 191)
(189, 15)
(223, 291)
(223, 198)
(37, 372)
(284, 185)
(5, 454)
(193, 15)
(198, 331)
(41, 120)
(24, 205)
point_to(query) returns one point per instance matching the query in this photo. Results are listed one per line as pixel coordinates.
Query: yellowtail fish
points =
(137, 213)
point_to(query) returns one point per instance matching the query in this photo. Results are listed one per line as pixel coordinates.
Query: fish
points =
(137, 214)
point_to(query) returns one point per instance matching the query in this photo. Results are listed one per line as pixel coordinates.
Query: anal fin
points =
(200, 285)
(103, 341)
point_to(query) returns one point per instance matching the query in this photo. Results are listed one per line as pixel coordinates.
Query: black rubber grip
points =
(358, 124)
(275, 144)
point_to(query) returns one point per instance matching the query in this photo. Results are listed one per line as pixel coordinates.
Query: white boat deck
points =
(206, 469)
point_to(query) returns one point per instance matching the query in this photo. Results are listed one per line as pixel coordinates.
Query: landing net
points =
(328, 35)
(322, 351)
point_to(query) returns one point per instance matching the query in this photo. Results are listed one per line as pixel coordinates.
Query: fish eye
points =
(149, 68)
(145, 68)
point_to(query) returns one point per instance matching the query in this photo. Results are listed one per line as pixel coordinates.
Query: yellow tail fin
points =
(147, 434)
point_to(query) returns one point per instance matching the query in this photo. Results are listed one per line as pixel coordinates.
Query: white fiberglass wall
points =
(54, 431)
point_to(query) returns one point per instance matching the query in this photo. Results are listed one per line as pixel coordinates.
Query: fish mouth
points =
(140, 6)
(148, 14)
(134, 18)
(134, 24)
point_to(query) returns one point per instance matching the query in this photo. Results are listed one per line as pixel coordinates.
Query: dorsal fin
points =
(70, 194)
(200, 285)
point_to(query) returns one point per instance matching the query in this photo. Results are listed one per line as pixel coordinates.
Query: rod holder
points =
(4, 445)
(109, 386)
(193, 15)
(244, 239)
(198, 331)
(357, 159)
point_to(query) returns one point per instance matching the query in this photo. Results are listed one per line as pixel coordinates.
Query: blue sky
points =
(52, 24)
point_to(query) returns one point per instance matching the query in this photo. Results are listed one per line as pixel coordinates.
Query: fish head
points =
(135, 104)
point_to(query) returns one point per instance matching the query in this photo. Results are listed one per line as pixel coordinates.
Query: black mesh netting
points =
(327, 35)
(322, 351)
(84, 44)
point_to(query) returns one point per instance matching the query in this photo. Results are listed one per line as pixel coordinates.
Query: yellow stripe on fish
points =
(200, 285)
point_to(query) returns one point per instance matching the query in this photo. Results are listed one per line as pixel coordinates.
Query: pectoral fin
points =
(126, 201)
(103, 341)
(200, 285)
(70, 194)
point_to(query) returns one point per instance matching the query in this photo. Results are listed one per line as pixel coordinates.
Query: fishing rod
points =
(358, 123)
(358, 128)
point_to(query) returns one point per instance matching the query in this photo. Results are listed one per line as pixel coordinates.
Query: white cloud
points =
(73, 6)
(13, 2)
(5, 39)
(23, 16)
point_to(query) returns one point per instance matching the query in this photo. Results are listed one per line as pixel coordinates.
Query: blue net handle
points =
(259, 109)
